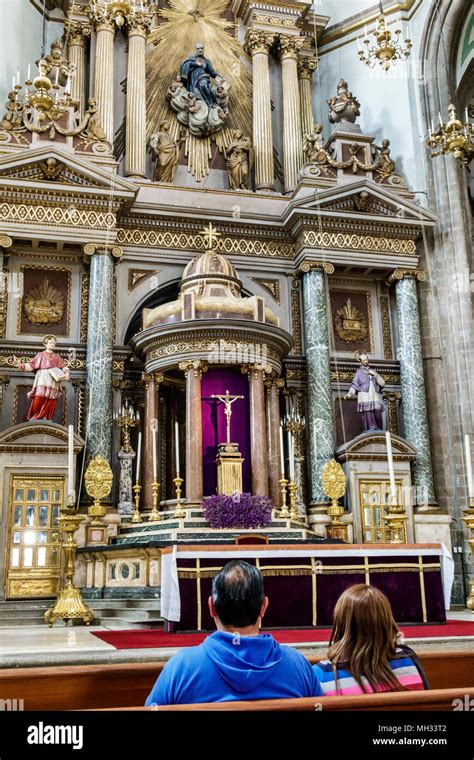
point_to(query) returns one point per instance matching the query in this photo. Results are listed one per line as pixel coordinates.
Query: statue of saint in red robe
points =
(46, 388)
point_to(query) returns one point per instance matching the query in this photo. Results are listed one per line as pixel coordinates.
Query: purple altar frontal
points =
(303, 582)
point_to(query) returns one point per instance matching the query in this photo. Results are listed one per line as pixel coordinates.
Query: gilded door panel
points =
(33, 550)
(374, 499)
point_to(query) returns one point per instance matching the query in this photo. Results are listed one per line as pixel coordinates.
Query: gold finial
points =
(98, 482)
(210, 236)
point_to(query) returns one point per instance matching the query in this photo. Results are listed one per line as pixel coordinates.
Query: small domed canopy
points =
(210, 289)
(211, 274)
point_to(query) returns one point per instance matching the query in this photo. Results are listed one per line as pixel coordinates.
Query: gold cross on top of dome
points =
(210, 236)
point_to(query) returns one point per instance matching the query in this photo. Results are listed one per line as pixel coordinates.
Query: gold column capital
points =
(289, 47)
(5, 241)
(258, 42)
(156, 377)
(307, 266)
(400, 274)
(139, 24)
(197, 366)
(274, 382)
(78, 31)
(101, 249)
(255, 368)
(307, 65)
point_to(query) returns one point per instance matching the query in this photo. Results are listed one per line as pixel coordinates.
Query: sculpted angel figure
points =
(12, 117)
(313, 143)
(239, 157)
(165, 151)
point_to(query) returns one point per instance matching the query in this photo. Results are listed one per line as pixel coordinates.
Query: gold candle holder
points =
(284, 512)
(292, 493)
(136, 514)
(396, 519)
(468, 519)
(69, 604)
(178, 482)
(155, 513)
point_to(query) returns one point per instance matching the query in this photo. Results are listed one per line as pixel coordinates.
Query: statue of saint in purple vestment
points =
(367, 383)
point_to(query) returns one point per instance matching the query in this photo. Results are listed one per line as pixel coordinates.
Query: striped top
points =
(403, 668)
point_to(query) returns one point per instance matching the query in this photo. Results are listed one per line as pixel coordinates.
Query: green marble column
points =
(412, 383)
(320, 423)
(100, 341)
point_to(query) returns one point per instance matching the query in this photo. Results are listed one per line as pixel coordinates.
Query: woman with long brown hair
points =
(364, 655)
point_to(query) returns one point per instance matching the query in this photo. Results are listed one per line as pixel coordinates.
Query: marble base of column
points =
(125, 505)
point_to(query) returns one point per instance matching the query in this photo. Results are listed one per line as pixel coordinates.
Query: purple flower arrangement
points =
(241, 510)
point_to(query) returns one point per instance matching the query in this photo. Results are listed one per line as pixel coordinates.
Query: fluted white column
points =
(104, 76)
(77, 58)
(292, 134)
(258, 46)
(135, 151)
(306, 67)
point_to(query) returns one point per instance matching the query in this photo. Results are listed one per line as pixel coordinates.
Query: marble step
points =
(125, 604)
(125, 623)
(139, 615)
(18, 613)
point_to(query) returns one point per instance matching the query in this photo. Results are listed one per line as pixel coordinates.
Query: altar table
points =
(304, 581)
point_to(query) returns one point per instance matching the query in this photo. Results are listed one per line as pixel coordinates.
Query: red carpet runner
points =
(156, 638)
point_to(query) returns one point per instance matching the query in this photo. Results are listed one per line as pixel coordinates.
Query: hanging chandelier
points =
(119, 11)
(454, 137)
(42, 95)
(387, 48)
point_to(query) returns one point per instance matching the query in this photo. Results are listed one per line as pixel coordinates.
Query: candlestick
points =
(178, 482)
(18, 76)
(155, 468)
(292, 492)
(292, 456)
(467, 449)
(391, 471)
(136, 515)
(284, 509)
(155, 513)
(176, 439)
(57, 76)
(282, 451)
(139, 454)
(13, 81)
(70, 462)
(29, 72)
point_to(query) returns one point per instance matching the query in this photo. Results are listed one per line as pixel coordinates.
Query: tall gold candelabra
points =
(127, 418)
(69, 604)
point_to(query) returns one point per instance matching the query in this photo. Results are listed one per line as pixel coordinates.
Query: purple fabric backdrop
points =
(214, 423)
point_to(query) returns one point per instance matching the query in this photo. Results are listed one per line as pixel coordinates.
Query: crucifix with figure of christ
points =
(228, 400)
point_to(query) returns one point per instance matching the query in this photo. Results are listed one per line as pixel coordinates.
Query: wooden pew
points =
(82, 687)
(434, 699)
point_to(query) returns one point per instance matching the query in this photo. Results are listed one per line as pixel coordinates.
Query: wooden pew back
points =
(82, 687)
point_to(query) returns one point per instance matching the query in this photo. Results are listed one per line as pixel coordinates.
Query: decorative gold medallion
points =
(350, 324)
(44, 304)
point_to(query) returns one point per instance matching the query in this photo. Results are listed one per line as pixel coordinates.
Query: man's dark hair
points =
(237, 593)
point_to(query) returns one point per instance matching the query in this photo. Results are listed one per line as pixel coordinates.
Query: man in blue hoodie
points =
(236, 662)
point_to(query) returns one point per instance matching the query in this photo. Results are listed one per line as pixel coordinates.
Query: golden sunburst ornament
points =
(44, 304)
(184, 24)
